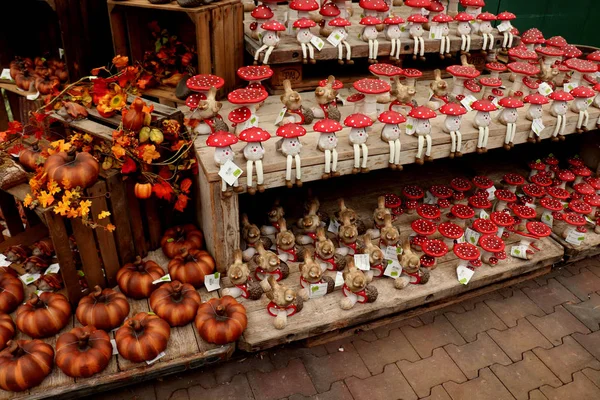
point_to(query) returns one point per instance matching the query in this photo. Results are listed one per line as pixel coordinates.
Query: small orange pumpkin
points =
(135, 279)
(221, 321)
(105, 309)
(25, 364)
(7, 330)
(142, 337)
(191, 267)
(81, 171)
(83, 351)
(143, 190)
(43, 316)
(175, 302)
(181, 239)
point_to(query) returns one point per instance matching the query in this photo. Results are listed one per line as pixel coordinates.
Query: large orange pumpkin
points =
(180, 239)
(81, 171)
(43, 316)
(176, 303)
(142, 337)
(135, 279)
(25, 364)
(105, 309)
(192, 267)
(11, 292)
(221, 321)
(7, 330)
(83, 351)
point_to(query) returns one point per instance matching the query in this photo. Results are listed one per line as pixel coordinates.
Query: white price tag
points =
(166, 278)
(3, 261)
(33, 96)
(362, 262)
(537, 126)
(61, 53)
(6, 74)
(280, 116)
(158, 357)
(410, 126)
(484, 215)
(436, 32)
(335, 38)
(114, 346)
(28, 279)
(212, 281)
(230, 172)
(471, 236)
(52, 269)
(575, 238)
(519, 252)
(464, 274)
(545, 89)
(589, 101)
(340, 99)
(504, 26)
(467, 101)
(461, 239)
(424, 11)
(496, 102)
(253, 121)
(570, 86)
(392, 252)
(317, 290)
(334, 226)
(317, 42)
(548, 218)
(393, 269)
(339, 279)
(429, 198)
(491, 193)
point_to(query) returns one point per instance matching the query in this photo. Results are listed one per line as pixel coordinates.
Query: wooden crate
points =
(215, 30)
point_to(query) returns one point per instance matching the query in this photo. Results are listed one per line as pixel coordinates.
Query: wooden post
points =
(154, 225)
(86, 243)
(11, 213)
(135, 220)
(120, 217)
(203, 35)
(119, 29)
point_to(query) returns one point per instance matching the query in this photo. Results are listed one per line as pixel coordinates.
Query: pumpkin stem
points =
(84, 339)
(97, 294)
(35, 301)
(136, 325)
(220, 310)
(139, 263)
(177, 287)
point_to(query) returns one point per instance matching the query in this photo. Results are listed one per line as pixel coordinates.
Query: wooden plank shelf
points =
(588, 248)
(185, 350)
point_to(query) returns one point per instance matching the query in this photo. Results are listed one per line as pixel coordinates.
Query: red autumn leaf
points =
(128, 166)
(14, 127)
(16, 149)
(181, 202)
(162, 190)
(185, 185)
(164, 172)
(38, 133)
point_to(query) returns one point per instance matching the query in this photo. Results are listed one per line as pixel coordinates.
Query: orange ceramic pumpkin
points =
(143, 190)
(31, 158)
(105, 309)
(11, 292)
(180, 239)
(83, 351)
(81, 171)
(43, 316)
(7, 330)
(175, 302)
(25, 364)
(221, 321)
(133, 118)
(142, 337)
(135, 279)
(191, 267)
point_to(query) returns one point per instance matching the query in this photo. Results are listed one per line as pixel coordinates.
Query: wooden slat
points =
(86, 244)
(135, 220)
(57, 378)
(120, 216)
(589, 248)
(203, 35)
(155, 231)
(219, 51)
(10, 213)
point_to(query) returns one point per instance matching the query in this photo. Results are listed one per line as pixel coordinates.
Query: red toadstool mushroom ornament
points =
(490, 244)
(248, 100)
(482, 122)
(270, 39)
(304, 37)
(583, 99)
(393, 33)
(502, 220)
(579, 68)
(473, 7)
(558, 109)
(416, 32)
(505, 28)
(290, 146)
(508, 116)
(440, 24)
(522, 70)
(413, 194)
(535, 231)
(261, 13)
(254, 153)
(486, 29)
(390, 133)
(419, 123)
(327, 143)
(433, 250)
(254, 75)
(339, 34)
(369, 34)
(532, 37)
(467, 253)
(535, 114)
(222, 141)
(464, 29)
(488, 83)
(451, 232)
(371, 88)
(358, 139)
(461, 74)
(452, 123)
(329, 11)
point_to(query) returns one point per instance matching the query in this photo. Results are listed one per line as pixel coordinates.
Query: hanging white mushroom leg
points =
(365, 154)
(579, 120)
(398, 48)
(303, 45)
(491, 46)
(563, 124)
(458, 141)
(505, 40)
(311, 51)
(468, 43)
(298, 167)
(356, 148)
(370, 49)
(268, 54)
(397, 148)
(484, 41)
(392, 148)
(480, 137)
(393, 48)
(507, 134)
(428, 139)
(416, 49)
(421, 140)
(486, 134)
(223, 185)
(557, 127)
(259, 172)
(586, 120)
(453, 145)
(260, 50)
(335, 159)
(288, 168)
(327, 161)
(442, 47)
(510, 39)
(463, 42)
(249, 166)
(348, 50)
(422, 43)
(513, 131)
(340, 53)
(375, 49)
(447, 40)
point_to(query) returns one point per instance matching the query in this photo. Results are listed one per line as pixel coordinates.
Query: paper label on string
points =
(115, 351)
(392, 252)
(484, 215)
(61, 53)
(464, 274)
(33, 96)
(341, 99)
(548, 218)
(52, 269)
(6, 74)
(28, 279)
(317, 290)
(361, 261)
(212, 281)
(335, 38)
(317, 42)
(504, 26)
(393, 269)
(280, 116)
(467, 101)
(436, 32)
(496, 102)
(545, 89)
(158, 357)
(491, 193)
(519, 252)
(166, 278)
(334, 226)
(410, 126)
(339, 279)
(424, 11)
(575, 238)
(589, 101)
(570, 86)
(230, 172)
(253, 121)
(461, 239)
(3, 261)
(429, 198)
(471, 236)
(537, 126)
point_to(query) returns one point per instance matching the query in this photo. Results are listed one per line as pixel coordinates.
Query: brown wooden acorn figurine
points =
(356, 287)
(286, 244)
(347, 235)
(325, 253)
(308, 225)
(268, 264)
(251, 236)
(376, 257)
(411, 268)
(312, 274)
(284, 302)
(345, 211)
(239, 275)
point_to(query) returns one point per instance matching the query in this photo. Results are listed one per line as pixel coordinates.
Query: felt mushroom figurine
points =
(393, 33)
(222, 142)
(491, 245)
(484, 226)
(583, 98)
(462, 214)
(390, 133)
(290, 146)
(248, 100)
(420, 124)
(581, 173)
(369, 34)
(358, 102)
(479, 204)
(203, 83)
(327, 143)
(535, 113)
(593, 200)
(532, 193)
(464, 29)
(441, 195)
(413, 194)
(575, 223)
(254, 75)
(558, 109)
(551, 165)
(422, 229)
(536, 231)
(521, 70)
(442, 20)
(452, 123)
(460, 186)
(416, 32)
(473, 7)
(580, 207)
(468, 254)
(328, 11)
(484, 186)
(429, 212)
(495, 68)
(550, 55)
(505, 27)
(371, 88)
(594, 182)
(524, 213)
(482, 122)
(385, 72)
(505, 197)
(411, 75)
(304, 36)
(460, 74)
(254, 153)
(269, 41)
(451, 233)
(580, 67)
(532, 37)
(261, 13)
(508, 116)
(433, 250)
(502, 220)
(491, 83)
(358, 139)
(340, 32)
(565, 176)
(301, 8)
(486, 29)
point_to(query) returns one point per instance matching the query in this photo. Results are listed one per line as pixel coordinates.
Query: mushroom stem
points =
(576, 77)
(449, 243)
(516, 86)
(495, 74)
(453, 8)
(525, 241)
(501, 205)
(578, 179)
(371, 105)
(485, 256)
(458, 86)
(463, 263)
(512, 188)
(484, 92)
(500, 231)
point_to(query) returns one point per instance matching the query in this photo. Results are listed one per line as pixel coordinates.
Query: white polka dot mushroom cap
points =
(204, 82)
(327, 126)
(247, 96)
(466, 251)
(358, 121)
(254, 134)
(372, 86)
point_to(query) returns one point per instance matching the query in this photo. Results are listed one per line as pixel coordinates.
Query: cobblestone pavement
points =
(536, 340)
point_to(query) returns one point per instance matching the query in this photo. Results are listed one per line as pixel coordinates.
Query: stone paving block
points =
(339, 391)
(438, 393)
(580, 389)
(481, 353)
(523, 337)
(590, 263)
(280, 356)
(346, 343)
(238, 389)
(334, 367)
(425, 374)
(430, 316)
(582, 284)
(279, 383)
(551, 295)
(556, 272)
(591, 342)
(470, 323)
(537, 395)
(254, 362)
(171, 383)
(513, 308)
(181, 394)
(384, 331)
(469, 304)
(484, 387)
(557, 325)
(385, 351)
(566, 359)
(139, 391)
(593, 375)
(389, 385)
(587, 311)
(523, 376)
(428, 337)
